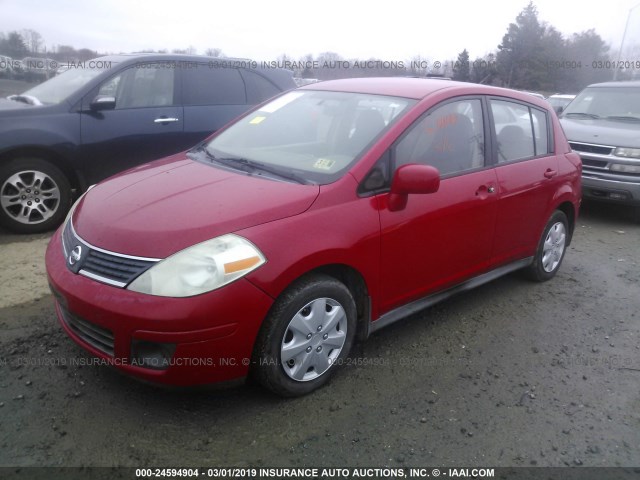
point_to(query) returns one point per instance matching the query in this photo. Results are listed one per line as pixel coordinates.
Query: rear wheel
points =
(34, 195)
(551, 248)
(305, 337)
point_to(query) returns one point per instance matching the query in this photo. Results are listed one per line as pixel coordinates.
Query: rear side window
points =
(262, 89)
(521, 131)
(205, 85)
(449, 137)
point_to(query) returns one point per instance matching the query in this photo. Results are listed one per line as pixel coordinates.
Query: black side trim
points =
(417, 305)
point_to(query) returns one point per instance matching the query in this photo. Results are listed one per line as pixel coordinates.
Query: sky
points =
(264, 30)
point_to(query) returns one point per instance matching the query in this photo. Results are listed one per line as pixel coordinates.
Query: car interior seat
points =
(513, 144)
(452, 146)
(367, 125)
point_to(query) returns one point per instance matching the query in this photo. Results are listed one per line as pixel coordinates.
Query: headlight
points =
(621, 167)
(627, 152)
(200, 268)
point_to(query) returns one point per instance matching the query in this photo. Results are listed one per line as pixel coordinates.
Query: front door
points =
(440, 239)
(146, 123)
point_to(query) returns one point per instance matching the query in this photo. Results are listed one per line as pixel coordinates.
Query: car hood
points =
(163, 207)
(12, 104)
(602, 132)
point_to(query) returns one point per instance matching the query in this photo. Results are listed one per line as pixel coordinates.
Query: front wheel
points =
(34, 195)
(305, 337)
(551, 248)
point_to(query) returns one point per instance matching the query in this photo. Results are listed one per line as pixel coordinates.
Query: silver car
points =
(602, 124)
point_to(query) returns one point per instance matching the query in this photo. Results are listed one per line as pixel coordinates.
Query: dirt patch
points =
(23, 277)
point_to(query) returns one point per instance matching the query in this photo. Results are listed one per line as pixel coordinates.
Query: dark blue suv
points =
(112, 113)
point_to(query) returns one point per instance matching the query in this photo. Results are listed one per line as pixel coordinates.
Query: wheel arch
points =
(569, 210)
(355, 283)
(55, 158)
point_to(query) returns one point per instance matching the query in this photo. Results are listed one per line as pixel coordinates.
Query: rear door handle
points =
(550, 173)
(166, 120)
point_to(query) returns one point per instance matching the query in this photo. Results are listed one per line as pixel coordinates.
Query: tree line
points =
(533, 55)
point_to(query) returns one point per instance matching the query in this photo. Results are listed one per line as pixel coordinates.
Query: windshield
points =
(58, 88)
(315, 135)
(604, 102)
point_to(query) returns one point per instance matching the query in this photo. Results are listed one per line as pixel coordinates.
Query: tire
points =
(35, 196)
(305, 337)
(551, 249)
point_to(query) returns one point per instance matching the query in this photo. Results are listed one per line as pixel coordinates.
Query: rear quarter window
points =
(259, 88)
(206, 85)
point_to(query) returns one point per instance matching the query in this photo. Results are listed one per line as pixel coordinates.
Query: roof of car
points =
(416, 88)
(281, 77)
(634, 83)
(179, 57)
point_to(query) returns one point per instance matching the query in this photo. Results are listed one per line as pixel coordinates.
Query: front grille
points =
(98, 337)
(588, 162)
(589, 148)
(112, 268)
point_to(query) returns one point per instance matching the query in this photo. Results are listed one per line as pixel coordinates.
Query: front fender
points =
(344, 233)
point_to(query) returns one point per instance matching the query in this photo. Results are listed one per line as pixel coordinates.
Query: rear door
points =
(527, 172)
(442, 238)
(146, 124)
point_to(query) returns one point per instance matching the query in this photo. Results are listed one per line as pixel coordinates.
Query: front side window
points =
(315, 134)
(145, 85)
(521, 131)
(60, 87)
(449, 137)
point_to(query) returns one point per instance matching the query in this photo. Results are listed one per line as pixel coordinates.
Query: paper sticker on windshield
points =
(280, 102)
(324, 164)
(257, 120)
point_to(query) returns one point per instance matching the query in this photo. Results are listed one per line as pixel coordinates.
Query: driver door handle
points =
(166, 120)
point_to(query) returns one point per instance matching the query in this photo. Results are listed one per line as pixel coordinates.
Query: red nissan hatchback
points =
(312, 221)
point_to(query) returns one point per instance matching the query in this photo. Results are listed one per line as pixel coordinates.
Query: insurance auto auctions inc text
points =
(350, 472)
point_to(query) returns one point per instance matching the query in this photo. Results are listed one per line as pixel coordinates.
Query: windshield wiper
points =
(582, 114)
(249, 166)
(623, 117)
(28, 99)
(197, 150)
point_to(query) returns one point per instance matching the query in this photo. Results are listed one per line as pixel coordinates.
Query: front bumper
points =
(610, 190)
(213, 333)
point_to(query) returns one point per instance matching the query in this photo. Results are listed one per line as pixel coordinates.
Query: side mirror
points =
(559, 109)
(410, 179)
(103, 103)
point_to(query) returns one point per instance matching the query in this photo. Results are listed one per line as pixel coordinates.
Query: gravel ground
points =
(511, 374)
